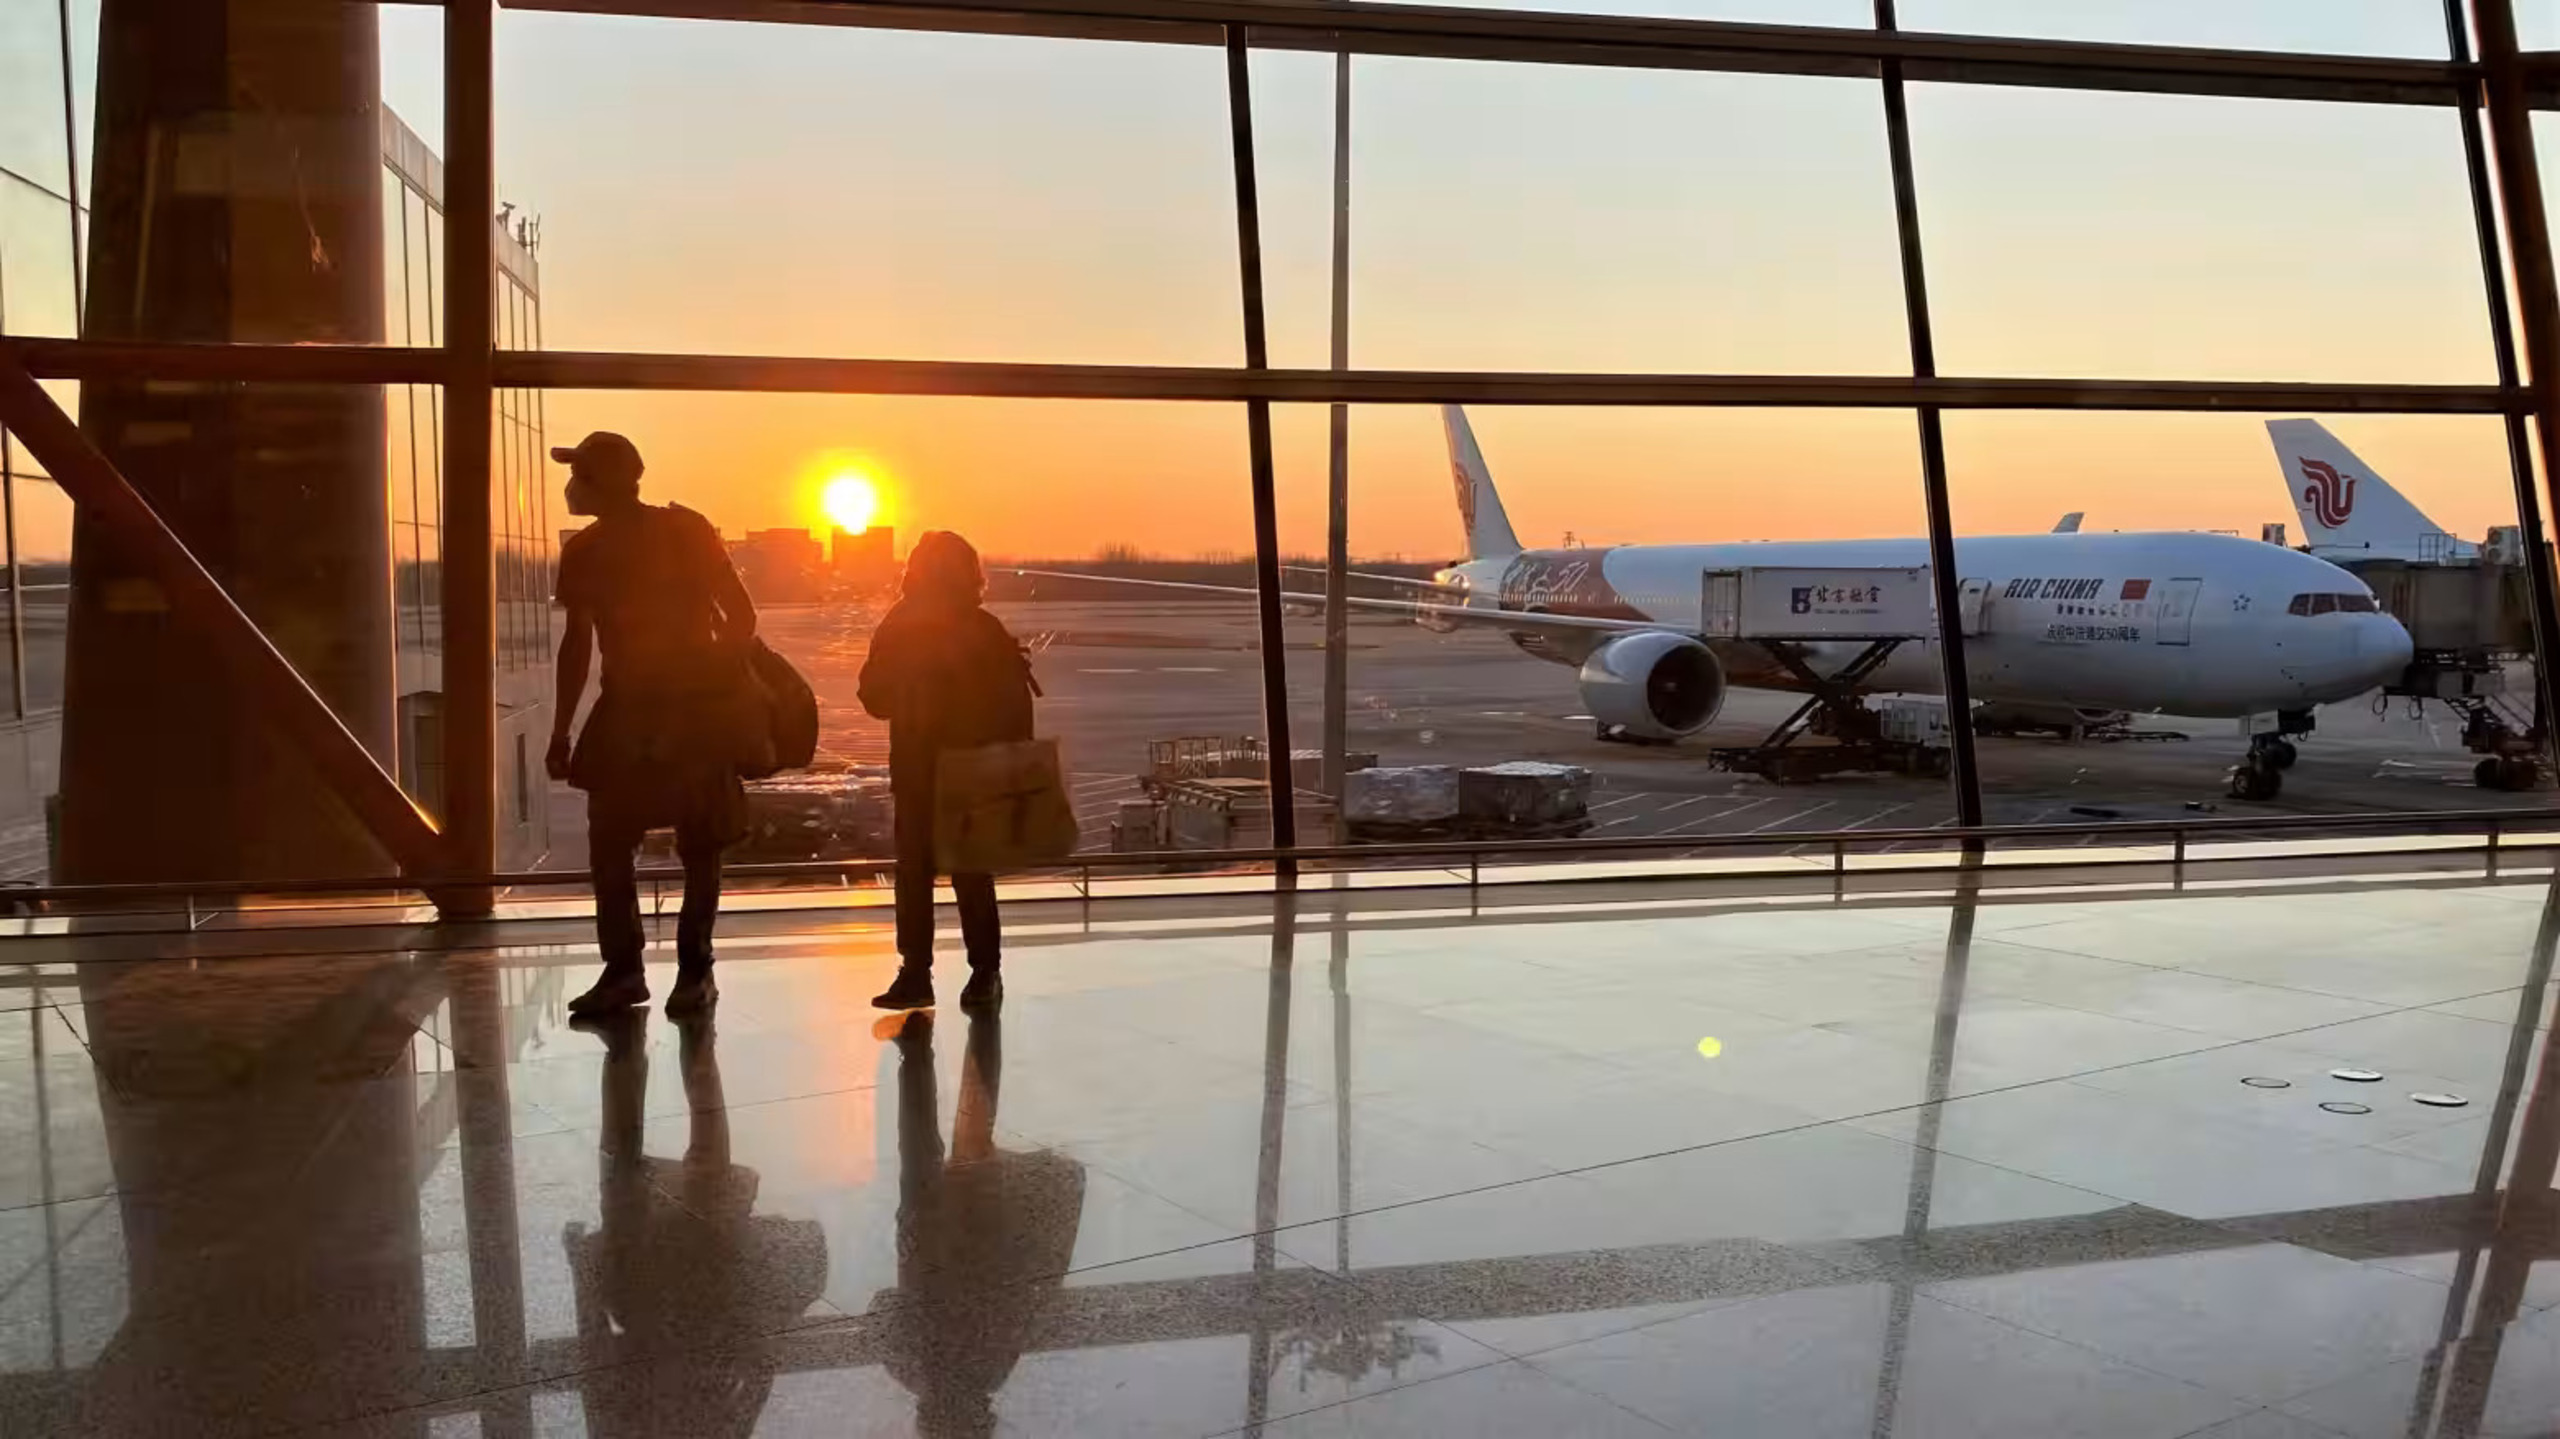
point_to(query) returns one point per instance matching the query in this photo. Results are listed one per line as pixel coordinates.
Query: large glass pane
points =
(1619, 516)
(743, 188)
(1525, 217)
(283, 492)
(2124, 668)
(36, 290)
(413, 68)
(31, 109)
(871, 193)
(84, 87)
(281, 237)
(2132, 236)
(1854, 14)
(42, 518)
(1060, 487)
(2412, 28)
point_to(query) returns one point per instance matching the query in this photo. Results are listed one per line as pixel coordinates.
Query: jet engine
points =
(1652, 686)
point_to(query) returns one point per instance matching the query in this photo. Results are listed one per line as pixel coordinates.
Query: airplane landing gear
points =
(2260, 777)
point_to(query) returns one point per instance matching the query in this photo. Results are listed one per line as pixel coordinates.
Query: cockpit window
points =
(2333, 604)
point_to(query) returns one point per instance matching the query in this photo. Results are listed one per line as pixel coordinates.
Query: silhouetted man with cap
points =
(651, 587)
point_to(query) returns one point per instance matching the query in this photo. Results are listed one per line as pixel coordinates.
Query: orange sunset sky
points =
(758, 189)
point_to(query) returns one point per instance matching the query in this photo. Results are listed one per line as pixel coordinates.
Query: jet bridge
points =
(1805, 620)
(2470, 624)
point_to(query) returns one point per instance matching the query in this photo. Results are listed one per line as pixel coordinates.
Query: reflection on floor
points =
(2036, 1166)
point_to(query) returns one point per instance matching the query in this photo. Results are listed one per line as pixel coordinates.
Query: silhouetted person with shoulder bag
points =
(946, 675)
(652, 589)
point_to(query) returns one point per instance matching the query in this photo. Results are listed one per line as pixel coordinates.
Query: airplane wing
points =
(2069, 524)
(1523, 621)
(1405, 581)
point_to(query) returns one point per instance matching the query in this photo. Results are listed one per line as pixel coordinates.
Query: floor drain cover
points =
(2345, 1106)
(2441, 1101)
(2260, 1081)
(2357, 1076)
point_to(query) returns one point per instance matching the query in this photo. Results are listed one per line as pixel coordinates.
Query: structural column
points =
(470, 599)
(238, 197)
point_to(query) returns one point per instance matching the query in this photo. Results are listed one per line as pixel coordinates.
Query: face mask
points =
(580, 496)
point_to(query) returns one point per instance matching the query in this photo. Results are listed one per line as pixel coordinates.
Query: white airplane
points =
(2348, 511)
(2066, 622)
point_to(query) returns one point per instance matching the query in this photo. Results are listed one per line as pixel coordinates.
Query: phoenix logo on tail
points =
(2332, 496)
(1466, 496)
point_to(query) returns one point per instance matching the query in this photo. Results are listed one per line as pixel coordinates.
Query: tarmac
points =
(1118, 674)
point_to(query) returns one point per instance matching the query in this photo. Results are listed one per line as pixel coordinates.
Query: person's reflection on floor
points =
(984, 1235)
(682, 1275)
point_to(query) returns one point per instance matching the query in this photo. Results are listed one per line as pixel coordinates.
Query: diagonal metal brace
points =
(198, 601)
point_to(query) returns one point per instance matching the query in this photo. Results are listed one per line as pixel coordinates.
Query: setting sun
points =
(851, 501)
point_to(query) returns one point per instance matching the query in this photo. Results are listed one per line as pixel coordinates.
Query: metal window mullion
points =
(17, 582)
(2539, 581)
(1279, 771)
(1945, 582)
(469, 598)
(2528, 230)
(56, 358)
(71, 169)
(9, 498)
(1638, 41)
(1337, 529)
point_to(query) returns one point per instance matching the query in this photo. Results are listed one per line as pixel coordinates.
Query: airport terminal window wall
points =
(1638, 275)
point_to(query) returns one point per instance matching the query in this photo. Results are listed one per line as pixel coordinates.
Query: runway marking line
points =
(1791, 817)
(1625, 799)
(1693, 826)
(1879, 814)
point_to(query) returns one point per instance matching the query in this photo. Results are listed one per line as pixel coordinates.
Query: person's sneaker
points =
(912, 989)
(693, 994)
(618, 989)
(985, 990)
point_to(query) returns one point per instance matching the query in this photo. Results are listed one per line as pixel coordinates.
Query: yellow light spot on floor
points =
(1710, 1046)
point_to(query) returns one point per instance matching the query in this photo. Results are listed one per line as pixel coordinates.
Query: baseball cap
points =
(603, 448)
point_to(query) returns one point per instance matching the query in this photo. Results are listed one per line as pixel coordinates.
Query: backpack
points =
(790, 711)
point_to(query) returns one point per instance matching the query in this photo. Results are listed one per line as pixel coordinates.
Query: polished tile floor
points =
(2043, 1165)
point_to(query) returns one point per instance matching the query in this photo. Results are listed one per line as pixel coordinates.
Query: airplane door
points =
(2177, 611)
(1970, 595)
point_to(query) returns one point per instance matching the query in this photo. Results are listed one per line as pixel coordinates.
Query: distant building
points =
(781, 567)
(866, 563)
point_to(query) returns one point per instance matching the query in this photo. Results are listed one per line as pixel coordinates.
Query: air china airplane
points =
(2177, 623)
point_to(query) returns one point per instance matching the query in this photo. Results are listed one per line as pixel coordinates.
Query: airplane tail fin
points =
(1489, 533)
(2343, 504)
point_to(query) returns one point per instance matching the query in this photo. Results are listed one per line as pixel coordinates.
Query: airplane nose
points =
(2382, 647)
